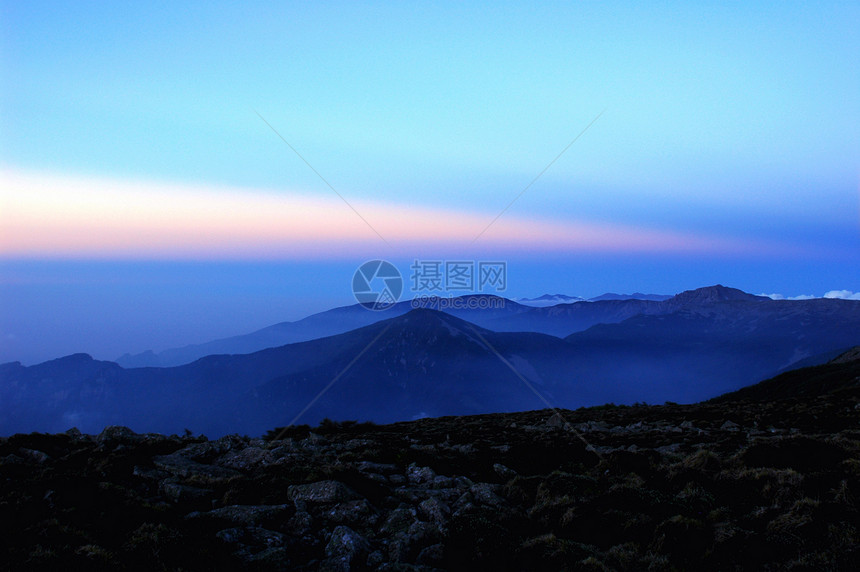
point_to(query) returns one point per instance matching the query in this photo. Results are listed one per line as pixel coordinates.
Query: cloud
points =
(781, 297)
(843, 294)
(72, 216)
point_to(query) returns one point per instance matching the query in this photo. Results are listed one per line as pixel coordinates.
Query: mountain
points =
(491, 312)
(634, 296)
(427, 364)
(695, 346)
(422, 363)
(840, 373)
(555, 299)
(478, 308)
(724, 344)
(564, 319)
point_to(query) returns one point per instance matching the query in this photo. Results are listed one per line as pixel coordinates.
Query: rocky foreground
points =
(740, 485)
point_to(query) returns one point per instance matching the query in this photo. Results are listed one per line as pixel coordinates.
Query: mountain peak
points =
(713, 294)
(429, 328)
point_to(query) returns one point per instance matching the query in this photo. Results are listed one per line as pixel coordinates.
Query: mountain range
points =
(422, 362)
(554, 299)
(557, 315)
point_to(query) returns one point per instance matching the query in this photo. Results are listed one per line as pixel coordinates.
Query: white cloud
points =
(843, 294)
(781, 297)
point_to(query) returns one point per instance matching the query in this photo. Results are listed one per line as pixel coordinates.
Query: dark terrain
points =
(767, 478)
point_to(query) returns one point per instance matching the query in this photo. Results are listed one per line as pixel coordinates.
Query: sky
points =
(175, 172)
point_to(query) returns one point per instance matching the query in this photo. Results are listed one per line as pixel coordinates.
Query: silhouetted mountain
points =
(427, 363)
(491, 312)
(419, 364)
(564, 319)
(842, 372)
(478, 308)
(634, 296)
(708, 296)
(722, 345)
(694, 346)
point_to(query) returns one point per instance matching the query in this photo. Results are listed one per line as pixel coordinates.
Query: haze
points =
(145, 203)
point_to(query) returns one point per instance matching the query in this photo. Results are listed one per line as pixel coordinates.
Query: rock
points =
(465, 500)
(442, 482)
(399, 520)
(375, 559)
(181, 466)
(184, 494)
(421, 534)
(314, 440)
(356, 513)
(203, 452)
(322, 492)
(231, 535)
(504, 472)
(359, 444)
(432, 555)
(118, 435)
(669, 449)
(435, 510)
(246, 515)
(75, 434)
(398, 548)
(556, 421)
(251, 536)
(274, 558)
(593, 427)
(381, 479)
(247, 459)
(417, 475)
(149, 474)
(485, 493)
(347, 546)
(464, 449)
(730, 426)
(379, 468)
(34, 455)
(300, 524)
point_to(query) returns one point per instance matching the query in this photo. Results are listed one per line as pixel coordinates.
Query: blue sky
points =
(725, 124)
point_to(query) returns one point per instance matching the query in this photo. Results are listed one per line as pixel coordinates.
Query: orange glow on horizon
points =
(66, 216)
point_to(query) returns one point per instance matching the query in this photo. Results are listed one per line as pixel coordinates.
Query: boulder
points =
(322, 492)
(347, 547)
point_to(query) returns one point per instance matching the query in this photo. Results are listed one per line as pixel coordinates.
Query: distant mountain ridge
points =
(478, 309)
(425, 362)
(554, 299)
(634, 296)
